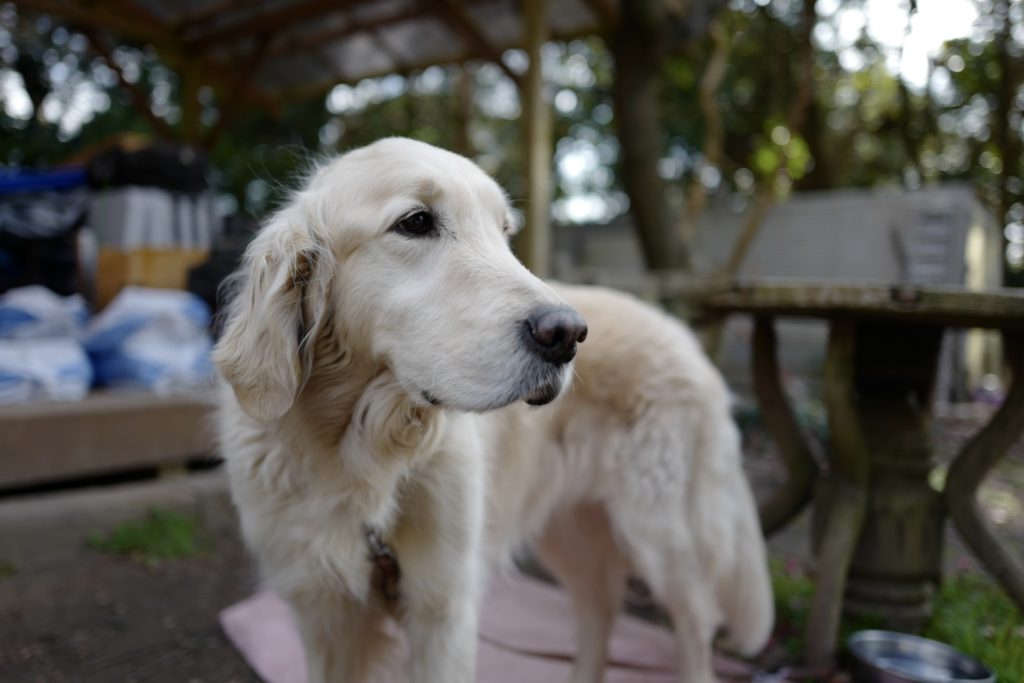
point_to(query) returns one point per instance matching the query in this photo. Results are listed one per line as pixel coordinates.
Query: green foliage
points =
(7, 570)
(160, 535)
(971, 614)
(975, 616)
(793, 593)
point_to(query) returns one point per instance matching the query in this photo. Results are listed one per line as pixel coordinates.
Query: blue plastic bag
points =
(35, 312)
(154, 339)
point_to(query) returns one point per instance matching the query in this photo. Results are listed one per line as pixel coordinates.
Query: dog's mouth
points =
(546, 388)
(540, 385)
(544, 394)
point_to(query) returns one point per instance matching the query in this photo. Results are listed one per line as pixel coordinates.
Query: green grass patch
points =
(160, 535)
(971, 613)
(7, 570)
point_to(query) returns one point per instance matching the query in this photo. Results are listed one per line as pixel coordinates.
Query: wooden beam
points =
(238, 90)
(267, 22)
(320, 87)
(607, 13)
(208, 13)
(97, 18)
(383, 46)
(457, 19)
(534, 242)
(141, 13)
(300, 44)
(139, 99)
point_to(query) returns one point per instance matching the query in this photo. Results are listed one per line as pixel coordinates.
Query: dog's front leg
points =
(442, 642)
(440, 542)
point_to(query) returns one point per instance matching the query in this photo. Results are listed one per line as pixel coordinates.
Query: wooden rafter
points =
(296, 45)
(139, 99)
(383, 46)
(97, 17)
(456, 18)
(238, 90)
(140, 12)
(607, 13)
(320, 87)
(208, 13)
(265, 22)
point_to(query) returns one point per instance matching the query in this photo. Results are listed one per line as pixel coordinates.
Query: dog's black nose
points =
(553, 333)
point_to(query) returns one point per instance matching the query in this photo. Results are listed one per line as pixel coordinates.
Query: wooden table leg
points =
(845, 489)
(897, 564)
(969, 469)
(778, 417)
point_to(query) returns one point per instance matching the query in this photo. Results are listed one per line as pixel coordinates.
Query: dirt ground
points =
(71, 613)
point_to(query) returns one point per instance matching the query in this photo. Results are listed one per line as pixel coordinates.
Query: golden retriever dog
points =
(398, 418)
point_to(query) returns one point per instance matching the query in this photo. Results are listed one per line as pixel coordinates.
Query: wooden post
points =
(534, 243)
(188, 95)
(463, 110)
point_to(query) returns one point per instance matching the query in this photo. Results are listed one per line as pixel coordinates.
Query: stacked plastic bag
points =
(41, 354)
(155, 339)
(146, 338)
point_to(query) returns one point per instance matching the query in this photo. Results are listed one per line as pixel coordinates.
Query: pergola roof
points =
(290, 47)
(264, 51)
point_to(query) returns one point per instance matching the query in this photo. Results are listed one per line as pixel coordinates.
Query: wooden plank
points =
(950, 306)
(106, 432)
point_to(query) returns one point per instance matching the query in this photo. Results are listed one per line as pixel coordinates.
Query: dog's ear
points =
(275, 317)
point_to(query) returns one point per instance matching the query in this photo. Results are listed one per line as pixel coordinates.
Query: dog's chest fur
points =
(336, 465)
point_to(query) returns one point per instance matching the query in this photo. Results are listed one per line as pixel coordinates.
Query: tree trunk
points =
(1003, 137)
(639, 46)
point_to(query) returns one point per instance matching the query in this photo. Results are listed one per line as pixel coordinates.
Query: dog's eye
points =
(419, 224)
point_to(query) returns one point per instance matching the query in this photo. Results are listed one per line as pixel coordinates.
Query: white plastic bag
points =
(151, 338)
(35, 312)
(40, 369)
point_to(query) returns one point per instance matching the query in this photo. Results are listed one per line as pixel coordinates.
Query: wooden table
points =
(877, 520)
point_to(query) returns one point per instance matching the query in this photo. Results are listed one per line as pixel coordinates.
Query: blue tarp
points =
(20, 181)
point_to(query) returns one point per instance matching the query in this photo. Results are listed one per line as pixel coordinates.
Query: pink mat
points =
(526, 634)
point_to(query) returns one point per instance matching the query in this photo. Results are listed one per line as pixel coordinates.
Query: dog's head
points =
(399, 251)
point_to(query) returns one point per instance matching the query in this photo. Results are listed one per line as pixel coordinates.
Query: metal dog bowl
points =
(889, 657)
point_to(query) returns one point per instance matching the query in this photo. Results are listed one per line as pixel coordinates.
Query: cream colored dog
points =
(380, 356)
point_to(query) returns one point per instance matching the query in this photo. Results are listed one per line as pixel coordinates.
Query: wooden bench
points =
(107, 432)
